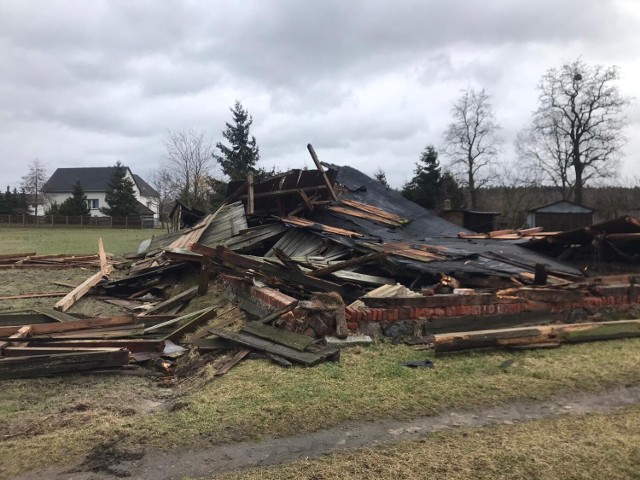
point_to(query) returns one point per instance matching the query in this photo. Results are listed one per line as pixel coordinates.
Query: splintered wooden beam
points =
(314, 156)
(104, 266)
(250, 208)
(531, 336)
(77, 293)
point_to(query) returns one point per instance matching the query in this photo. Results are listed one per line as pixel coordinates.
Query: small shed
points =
(560, 216)
(481, 222)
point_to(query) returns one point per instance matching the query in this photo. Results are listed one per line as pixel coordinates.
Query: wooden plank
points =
(510, 337)
(48, 350)
(33, 295)
(304, 358)
(191, 325)
(48, 328)
(46, 365)
(188, 316)
(17, 256)
(314, 156)
(104, 266)
(232, 362)
(278, 313)
(21, 333)
(132, 344)
(22, 318)
(174, 301)
(77, 293)
(278, 335)
(250, 209)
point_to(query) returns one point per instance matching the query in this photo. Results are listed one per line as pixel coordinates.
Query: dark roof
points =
(92, 179)
(569, 203)
(477, 256)
(144, 210)
(146, 190)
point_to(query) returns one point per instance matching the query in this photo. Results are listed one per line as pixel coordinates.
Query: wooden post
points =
(126, 222)
(250, 207)
(81, 220)
(24, 221)
(321, 170)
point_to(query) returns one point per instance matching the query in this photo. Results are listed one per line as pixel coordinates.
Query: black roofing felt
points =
(474, 256)
(424, 223)
(92, 179)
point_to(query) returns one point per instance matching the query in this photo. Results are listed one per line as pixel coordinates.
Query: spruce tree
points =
(240, 158)
(76, 204)
(424, 187)
(120, 194)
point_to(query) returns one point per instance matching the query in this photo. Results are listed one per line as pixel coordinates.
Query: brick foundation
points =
(449, 312)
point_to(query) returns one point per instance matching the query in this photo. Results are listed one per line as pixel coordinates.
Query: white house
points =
(94, 182)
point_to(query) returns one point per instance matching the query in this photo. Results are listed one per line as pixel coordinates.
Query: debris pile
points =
(290, 267)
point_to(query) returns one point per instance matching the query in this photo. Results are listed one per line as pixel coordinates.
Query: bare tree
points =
(578, 123)
(189, 161)
(168, 189)
(32, 182)
(550, 156)
(472, 140)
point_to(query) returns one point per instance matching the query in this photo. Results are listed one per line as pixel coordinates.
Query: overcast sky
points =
(368, 83)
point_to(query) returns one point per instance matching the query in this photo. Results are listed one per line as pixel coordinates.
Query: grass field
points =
(71, 240)
(585, 447)
(58, 420)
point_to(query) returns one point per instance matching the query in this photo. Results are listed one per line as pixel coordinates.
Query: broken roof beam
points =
(314, 156)
(175, 301)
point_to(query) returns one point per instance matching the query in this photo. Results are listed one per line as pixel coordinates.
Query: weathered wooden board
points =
(278, 335)
(305, 358)
(509, 337)
(46, 365)
(48, 328)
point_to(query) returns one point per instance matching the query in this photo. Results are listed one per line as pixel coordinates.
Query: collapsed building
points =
(315, 256)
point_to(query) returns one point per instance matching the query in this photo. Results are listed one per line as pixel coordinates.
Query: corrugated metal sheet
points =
(298, 243)
(230, 220)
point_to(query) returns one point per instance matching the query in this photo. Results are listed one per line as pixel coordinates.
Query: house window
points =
(93, 203)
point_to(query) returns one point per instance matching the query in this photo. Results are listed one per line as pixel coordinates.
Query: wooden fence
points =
(24, 220)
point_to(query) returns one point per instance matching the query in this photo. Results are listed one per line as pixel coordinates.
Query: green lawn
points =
(48, 240)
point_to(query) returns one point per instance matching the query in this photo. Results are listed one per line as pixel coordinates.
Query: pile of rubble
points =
(305, 260)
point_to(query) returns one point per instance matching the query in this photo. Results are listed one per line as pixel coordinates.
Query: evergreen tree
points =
(120, 194)
(241, 157)
(53, 209)
(424, 187)
(381, 177)
(450, 190)
(75, 205)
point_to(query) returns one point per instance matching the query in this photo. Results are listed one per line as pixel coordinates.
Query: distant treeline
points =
(13, 202)
(513, 203)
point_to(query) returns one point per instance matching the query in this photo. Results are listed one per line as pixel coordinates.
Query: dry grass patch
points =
(257, 398)
(580, 447)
